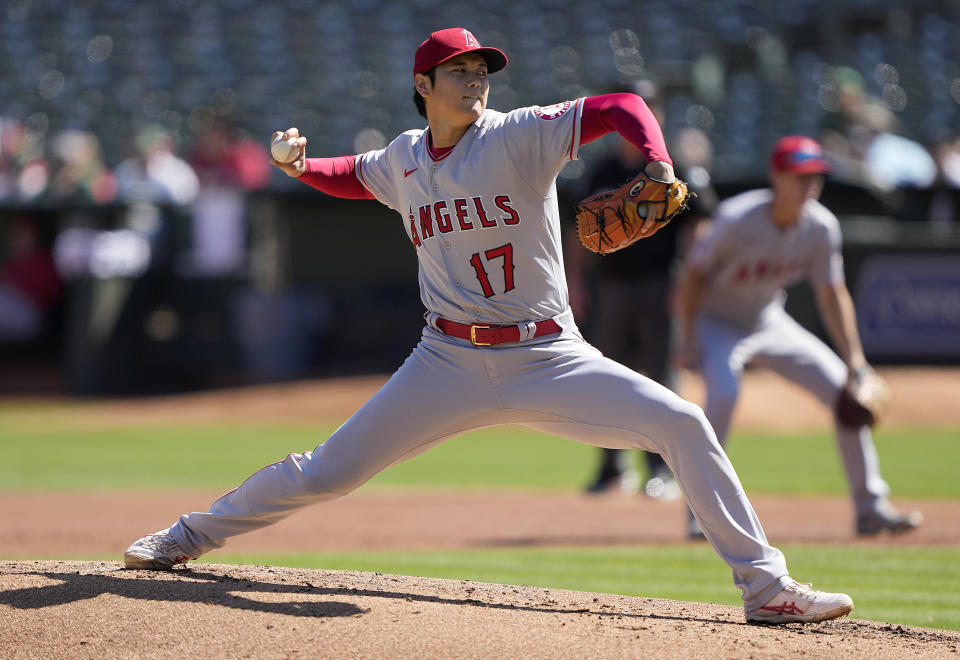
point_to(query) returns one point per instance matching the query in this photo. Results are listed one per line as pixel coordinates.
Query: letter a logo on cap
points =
(471, 40)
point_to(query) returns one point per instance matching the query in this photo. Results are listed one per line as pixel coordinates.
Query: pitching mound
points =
(97, 609)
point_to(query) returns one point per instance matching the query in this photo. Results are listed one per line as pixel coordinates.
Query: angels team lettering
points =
(769, 270)
(461, 214)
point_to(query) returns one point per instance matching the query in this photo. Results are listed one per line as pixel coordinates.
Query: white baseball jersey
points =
(748, 260)
(484, 219)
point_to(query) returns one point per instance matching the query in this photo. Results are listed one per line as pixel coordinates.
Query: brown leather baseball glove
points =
(611, 220)
(863, 400)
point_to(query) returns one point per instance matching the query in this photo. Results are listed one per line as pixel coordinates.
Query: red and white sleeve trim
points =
(575, 137)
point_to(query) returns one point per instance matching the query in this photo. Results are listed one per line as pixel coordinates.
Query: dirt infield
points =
(82, 525)
(923, 397)
(94, 609)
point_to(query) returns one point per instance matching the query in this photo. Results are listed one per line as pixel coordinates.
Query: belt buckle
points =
(473, 335)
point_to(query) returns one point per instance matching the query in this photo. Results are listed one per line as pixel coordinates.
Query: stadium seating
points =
(341, 71)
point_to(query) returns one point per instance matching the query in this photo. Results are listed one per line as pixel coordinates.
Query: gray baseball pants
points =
(560, 385)
(783, 345)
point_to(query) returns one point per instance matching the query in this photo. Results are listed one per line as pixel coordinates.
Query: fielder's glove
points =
(863, 400)
(610, 221)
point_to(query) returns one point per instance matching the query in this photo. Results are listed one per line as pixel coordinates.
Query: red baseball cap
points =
(798, 154)
(444, 44)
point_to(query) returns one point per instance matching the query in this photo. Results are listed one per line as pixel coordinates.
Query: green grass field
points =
(43, 450)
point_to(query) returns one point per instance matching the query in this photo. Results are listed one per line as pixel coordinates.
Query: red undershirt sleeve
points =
(628, 115)
(336, 177)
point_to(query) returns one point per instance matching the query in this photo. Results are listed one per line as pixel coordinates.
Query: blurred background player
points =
(623, 298)
(731, 311)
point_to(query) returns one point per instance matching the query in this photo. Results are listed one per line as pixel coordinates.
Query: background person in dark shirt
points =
(623, 299)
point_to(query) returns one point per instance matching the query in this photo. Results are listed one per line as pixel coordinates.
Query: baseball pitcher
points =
(475, 193)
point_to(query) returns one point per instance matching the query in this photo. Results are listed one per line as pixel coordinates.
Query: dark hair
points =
(417, 99)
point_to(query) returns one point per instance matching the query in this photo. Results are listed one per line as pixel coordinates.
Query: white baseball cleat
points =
(798, 603)
(158, 552)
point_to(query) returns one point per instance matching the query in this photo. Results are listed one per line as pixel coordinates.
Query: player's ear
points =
(422, 84)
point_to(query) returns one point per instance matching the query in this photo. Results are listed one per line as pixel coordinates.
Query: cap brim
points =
(495, 57)
(812, 166)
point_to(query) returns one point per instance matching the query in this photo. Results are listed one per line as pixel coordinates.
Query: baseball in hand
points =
(284, 150)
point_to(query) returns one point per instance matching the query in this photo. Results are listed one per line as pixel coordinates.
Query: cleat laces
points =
(165, 545)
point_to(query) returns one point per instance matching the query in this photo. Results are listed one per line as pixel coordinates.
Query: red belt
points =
(481, 334)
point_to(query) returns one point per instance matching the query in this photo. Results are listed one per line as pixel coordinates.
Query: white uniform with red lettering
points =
(484, 219)
(484, 223)
(748, 261)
